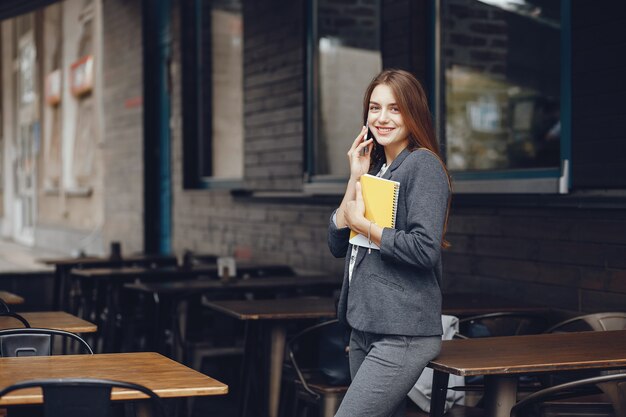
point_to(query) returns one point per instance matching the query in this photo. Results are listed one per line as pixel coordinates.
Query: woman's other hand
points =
(360, 160)
(355, 211)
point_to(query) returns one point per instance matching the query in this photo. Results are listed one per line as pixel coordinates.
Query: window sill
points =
(290, 197)
(209, 183)
(591, 199)
(507, 186)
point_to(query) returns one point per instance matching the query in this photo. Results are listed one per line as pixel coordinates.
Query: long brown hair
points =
(413, 104)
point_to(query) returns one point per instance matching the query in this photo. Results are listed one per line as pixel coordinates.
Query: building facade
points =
(224, 128)
(52, 126)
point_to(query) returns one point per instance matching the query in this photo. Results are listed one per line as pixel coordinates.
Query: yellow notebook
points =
(381, 202)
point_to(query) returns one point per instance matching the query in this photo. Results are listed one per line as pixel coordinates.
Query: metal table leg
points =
(500, 394)
(439, 392)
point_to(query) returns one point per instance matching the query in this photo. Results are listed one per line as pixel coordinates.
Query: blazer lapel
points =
(396, 163)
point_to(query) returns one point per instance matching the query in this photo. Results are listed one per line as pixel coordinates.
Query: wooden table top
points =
(535, 353)
(276, 309)
(137, 271)
(174, 272)
(10, 298)
(164, 376)
(58, 320)
(105, 260)
(466, 304)
(238, 284)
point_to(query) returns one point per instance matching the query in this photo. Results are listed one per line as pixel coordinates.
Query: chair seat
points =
(596, 405)
(413, 410)
(319, 386)
(599, 399)
(455, 411)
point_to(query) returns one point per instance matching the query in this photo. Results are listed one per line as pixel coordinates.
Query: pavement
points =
(17, 257)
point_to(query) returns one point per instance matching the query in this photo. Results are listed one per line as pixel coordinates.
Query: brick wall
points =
(406, 36)
(123, 132)
(476, 37)
(354, 22)
(568, 257)
(273, 94)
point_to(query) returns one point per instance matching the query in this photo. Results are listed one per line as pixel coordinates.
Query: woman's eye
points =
(395, 109)
(373, 108)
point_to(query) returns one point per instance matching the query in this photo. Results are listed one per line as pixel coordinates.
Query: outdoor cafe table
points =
(105, 284)
(502, 359)
(273, 315)
(64, 264)
(10, 298)
(57, 320)
(163, 293)
(167, 378)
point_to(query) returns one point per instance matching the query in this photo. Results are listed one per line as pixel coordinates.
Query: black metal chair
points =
(34, 342)
(6, 312)
(17, 317)
(4, 306)
(502, 324)
(499, 324)
(80, 397)
(585, 323)
(546, 401)
(309, 385)
(592, 322)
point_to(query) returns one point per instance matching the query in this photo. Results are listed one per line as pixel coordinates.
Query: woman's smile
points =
(386, 121)
(384, 130)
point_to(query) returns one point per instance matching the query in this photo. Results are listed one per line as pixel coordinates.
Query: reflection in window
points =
(227, 87)
(348, 57)
(501, 63)
(212, 91)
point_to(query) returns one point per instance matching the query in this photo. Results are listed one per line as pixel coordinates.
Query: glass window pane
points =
(348, 57)
(501, 63)
(227, 87)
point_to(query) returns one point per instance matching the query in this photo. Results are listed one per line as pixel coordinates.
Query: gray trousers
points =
(383, 370)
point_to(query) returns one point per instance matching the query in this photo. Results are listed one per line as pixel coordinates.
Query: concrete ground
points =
(16, 257)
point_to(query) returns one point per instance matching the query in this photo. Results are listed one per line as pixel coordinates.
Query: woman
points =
(391, 298)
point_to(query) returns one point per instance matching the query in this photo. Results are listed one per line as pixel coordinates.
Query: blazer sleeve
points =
(337, 238)
(427, 193)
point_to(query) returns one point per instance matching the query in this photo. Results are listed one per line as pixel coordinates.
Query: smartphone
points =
(367, 134)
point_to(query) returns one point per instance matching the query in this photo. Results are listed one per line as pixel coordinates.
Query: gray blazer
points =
(397, 290)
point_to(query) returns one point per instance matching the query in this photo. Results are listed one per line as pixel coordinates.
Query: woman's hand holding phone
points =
(359, 154)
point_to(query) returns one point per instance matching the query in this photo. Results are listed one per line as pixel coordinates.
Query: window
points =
(212, 61)
(500, 111)
(344, 56)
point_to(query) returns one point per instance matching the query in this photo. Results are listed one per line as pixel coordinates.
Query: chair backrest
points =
(34, 341)
(16, 316)
(6, 312)
(4, 306)
(613, 385)
(79, 397)
(592, 322)
(502, 324)
(327, 343)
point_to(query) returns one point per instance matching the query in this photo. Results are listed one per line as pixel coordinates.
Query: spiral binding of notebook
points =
(395, 205)
(380, 196)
